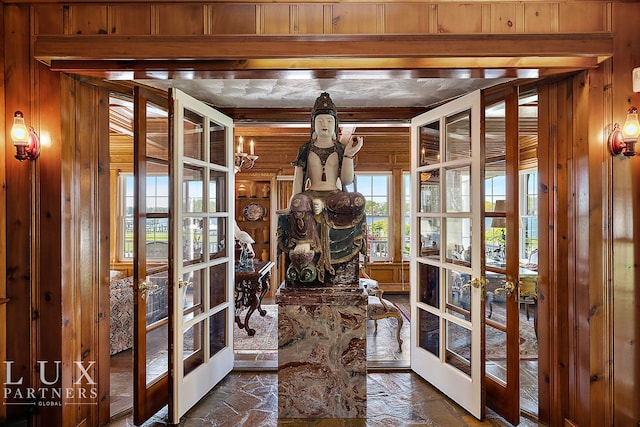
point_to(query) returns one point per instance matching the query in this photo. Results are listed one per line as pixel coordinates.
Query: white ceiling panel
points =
(301, 93)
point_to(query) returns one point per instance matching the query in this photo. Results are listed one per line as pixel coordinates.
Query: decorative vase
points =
(252, 189)
(265, 191)
(265, 235)
(242, 191)
(264, 256)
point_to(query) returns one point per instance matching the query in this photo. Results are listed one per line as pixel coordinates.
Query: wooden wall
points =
(621, 329)
(17, 249)
(3, 222)
(564, 281)
(52, 275)
(285, 17)
(52, 264)
(384, 148)
(84, 280)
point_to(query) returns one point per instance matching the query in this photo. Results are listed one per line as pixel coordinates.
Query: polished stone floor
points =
(393, 399)
(396, 396)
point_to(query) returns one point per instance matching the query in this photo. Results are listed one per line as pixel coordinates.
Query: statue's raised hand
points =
(353, 146)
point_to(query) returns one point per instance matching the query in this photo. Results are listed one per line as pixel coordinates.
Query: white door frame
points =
(466, 390)
(189, 389)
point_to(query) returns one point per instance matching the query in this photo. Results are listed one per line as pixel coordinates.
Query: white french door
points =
(447, 297)
(203, 251)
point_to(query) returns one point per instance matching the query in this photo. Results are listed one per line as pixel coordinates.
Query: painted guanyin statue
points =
(323, 232)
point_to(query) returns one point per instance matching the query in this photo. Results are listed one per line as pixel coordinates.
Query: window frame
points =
(523, 214)
(389, 217)
(122, 215)
(406, 240)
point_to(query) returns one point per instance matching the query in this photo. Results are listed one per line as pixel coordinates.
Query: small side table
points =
(250, 287)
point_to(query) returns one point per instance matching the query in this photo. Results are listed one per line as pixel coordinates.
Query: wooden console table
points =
(250, 288)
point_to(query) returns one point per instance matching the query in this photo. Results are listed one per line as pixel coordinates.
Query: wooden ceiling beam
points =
(249, 116)
(97, 47)
(355, 68)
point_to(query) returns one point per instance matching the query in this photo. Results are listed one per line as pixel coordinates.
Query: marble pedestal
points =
(322, 364)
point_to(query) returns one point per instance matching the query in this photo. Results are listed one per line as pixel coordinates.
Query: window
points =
(157, 236)
(375, 188)
(406, 215)
(495, 195)
(528, 213)
(495, 227)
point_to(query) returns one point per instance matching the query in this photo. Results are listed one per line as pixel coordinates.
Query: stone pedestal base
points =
(322, 364)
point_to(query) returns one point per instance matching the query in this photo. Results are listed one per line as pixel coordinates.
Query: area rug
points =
(495, 349)
(266, 337)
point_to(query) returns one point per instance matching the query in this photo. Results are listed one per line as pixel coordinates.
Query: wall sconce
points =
(622, 141)
(242, 159)
(25, 139)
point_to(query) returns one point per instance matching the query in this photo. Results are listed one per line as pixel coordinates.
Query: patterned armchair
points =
(378, 307)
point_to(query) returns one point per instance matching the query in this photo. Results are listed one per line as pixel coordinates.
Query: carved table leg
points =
(240, 296)
(264, 285)
(253, 304)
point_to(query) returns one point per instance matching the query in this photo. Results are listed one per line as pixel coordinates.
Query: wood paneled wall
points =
(3, 225)
(592, 290)
(18, 249)
(384, 148)
(559, 302)
(589, 284)
(84, 281)
(623, 202)
(284, 17)
(52, 265)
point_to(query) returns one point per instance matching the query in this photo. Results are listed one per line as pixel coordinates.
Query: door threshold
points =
(124, 413)
(390, 365)
(255, 365)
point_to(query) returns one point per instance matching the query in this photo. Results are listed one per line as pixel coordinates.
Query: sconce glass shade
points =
(623, 140)
(19, 131)
(631, 128)
(24, 139)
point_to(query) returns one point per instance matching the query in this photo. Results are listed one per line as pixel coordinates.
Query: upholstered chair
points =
(378, 307)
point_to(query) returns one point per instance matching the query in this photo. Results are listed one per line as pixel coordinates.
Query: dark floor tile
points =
(394, 399)
(247, 398)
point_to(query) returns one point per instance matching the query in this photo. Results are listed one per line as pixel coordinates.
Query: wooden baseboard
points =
(394, 287)
(391, 276)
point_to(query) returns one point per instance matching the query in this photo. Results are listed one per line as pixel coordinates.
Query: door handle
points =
(478, 283)
(143, 287)
(184, 283)
(508, 288)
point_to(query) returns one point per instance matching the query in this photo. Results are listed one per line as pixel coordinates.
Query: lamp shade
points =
(631, 128)
(501, 206)
(19, 131)
(24, 139)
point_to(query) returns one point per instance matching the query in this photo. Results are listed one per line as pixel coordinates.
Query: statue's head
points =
(324, 105)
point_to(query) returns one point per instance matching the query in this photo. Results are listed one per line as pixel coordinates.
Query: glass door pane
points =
(501, 249)
(152, 245)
